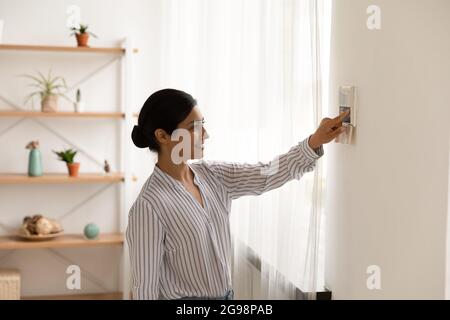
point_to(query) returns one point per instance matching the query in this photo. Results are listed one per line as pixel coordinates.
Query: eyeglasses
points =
(198, 124)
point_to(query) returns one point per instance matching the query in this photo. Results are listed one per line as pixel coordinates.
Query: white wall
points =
(388, 193)
(44, 22)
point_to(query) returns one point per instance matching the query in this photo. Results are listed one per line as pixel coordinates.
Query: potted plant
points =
(82, 34)
(68, 156)
(48, 89)
(79, 104)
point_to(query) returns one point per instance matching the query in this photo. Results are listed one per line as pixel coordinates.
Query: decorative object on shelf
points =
(82, 34)
(49, 89)
(68, 156)
(39, 227)
(79, 104)
(2, 23)
(107, 167)
(91, 231)
(34, 159)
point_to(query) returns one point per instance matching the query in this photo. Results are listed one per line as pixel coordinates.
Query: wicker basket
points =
(9, 284)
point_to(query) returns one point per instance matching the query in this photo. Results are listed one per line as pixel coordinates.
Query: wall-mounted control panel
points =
(347, 102)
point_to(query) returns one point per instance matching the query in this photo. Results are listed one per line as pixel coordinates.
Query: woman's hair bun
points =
(139, 138)
(164, 109)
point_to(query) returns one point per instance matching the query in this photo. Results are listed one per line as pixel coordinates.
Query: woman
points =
(178, 230)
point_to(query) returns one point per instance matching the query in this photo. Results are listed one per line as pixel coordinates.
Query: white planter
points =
(79, 106)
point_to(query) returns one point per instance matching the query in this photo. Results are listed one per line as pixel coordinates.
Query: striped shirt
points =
(179, 248)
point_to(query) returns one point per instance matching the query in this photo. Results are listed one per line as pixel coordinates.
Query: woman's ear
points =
(161, 136)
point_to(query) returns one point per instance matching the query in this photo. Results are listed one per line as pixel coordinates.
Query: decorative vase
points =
(49, 103)
(35, 163)
(73, 169)
(91, 231)
(82, 39)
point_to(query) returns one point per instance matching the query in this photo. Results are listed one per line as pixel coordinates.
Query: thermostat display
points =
(347, 101)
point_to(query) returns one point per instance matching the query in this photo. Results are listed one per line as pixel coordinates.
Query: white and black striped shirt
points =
(179, 248)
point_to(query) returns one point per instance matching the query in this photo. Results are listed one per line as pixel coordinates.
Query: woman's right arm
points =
(145, 236)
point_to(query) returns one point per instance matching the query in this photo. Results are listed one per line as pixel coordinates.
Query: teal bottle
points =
(35, 163)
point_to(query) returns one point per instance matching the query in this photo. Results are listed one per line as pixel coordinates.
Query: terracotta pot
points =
(49, 103)
(73, 169)
(82, 39)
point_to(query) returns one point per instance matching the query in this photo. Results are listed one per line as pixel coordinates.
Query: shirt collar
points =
(165, 176)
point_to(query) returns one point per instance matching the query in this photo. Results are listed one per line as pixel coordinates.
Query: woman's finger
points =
(337, 126)
(332, 135)
(339, 118)
(324, 121)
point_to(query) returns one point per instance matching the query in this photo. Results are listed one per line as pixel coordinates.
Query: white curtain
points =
(258, 70)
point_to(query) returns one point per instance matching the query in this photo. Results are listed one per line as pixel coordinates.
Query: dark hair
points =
(164, 109)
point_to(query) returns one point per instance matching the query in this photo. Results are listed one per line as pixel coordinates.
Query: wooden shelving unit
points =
(83, 178)
(62, 114)
(12, 242)
(22, 47)
(65, 241)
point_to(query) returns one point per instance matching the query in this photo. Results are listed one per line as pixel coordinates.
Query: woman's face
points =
(192, 127)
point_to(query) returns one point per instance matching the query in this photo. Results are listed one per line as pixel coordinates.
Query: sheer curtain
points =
(258, 70)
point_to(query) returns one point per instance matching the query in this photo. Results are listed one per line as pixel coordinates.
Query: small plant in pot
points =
(48, 89)
(79, 103)
(68, 156)
(82, 34)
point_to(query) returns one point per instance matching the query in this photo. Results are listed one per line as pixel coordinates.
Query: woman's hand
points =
(328, 130)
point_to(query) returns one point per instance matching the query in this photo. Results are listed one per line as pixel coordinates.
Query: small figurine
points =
(107, 167)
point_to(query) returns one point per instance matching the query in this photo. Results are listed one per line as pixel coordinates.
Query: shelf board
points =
(13, 242)
(88, 296)
(23, 47)
(61, 114)
(55, 178)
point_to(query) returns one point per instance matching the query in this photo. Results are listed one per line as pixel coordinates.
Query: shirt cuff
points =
(311, 154)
